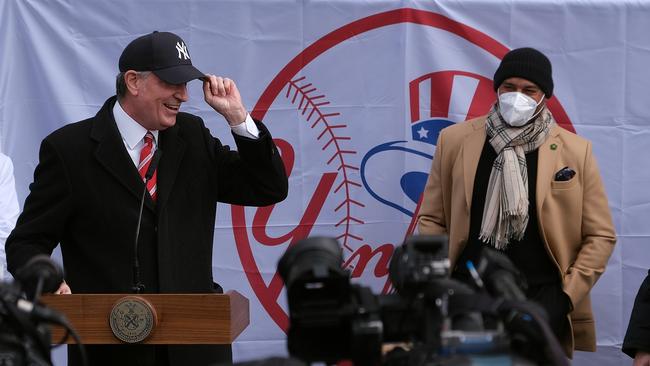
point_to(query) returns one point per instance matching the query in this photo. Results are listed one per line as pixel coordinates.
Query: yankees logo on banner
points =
(356, 116)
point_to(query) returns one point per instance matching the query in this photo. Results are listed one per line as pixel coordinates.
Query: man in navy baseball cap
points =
(117, 181)
(151, 86)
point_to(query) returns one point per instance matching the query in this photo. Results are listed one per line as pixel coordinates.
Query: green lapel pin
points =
(553, 147)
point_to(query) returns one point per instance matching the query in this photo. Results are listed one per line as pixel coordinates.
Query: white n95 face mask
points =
(517, 108)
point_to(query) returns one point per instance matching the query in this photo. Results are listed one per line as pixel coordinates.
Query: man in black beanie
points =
(514, 181)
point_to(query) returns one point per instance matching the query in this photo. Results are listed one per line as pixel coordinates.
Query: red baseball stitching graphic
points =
(308, 101)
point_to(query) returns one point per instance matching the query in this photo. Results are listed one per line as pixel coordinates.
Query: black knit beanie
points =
(529, 64)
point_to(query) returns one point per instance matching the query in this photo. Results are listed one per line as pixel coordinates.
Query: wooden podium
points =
(181, 318)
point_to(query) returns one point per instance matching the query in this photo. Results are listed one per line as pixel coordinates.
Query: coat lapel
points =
(112, 155)
(173, 148)
(547, 156)
(472, 148)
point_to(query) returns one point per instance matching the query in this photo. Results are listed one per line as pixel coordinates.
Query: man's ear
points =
(132, 82)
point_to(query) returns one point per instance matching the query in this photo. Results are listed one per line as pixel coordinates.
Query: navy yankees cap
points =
(163, 53)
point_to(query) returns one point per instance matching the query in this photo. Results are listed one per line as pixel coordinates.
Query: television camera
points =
(429, 318)
(25, 337)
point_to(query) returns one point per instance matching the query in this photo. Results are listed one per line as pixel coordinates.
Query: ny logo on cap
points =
(182, 50)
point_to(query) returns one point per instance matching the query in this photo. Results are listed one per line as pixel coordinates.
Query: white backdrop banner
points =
(355, 94)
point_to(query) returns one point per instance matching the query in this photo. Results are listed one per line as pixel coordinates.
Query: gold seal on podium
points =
(132, 319)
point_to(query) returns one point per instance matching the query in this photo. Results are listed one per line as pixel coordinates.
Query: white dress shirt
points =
(133, 133)
(9, 210)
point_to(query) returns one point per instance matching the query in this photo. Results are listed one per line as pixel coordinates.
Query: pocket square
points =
(564, 174)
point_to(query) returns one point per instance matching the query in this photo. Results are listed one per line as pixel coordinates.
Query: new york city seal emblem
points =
(132, 319)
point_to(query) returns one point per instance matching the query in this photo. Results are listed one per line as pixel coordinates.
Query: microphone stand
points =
(138, 286)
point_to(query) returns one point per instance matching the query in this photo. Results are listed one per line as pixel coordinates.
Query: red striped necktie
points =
(145, 160)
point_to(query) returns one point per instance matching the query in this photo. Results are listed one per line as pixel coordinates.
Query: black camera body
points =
(25, 337)
(325, 305)
(435, 320)
(23, 341)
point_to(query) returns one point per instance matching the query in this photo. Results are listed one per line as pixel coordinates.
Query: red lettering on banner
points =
(260, 223)
(302, 230)
(365, 253)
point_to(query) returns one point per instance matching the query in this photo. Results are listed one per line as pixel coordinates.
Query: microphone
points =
(40, 313)
(138, 286)
(40, 274)
(154, 165)
(500, 275)
(503, 279)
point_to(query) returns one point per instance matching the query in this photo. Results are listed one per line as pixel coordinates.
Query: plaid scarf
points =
(505, 214)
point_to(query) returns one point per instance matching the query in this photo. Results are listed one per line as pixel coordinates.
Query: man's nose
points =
(181, 92)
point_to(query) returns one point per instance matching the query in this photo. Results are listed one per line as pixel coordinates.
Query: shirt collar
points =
(132, 132)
